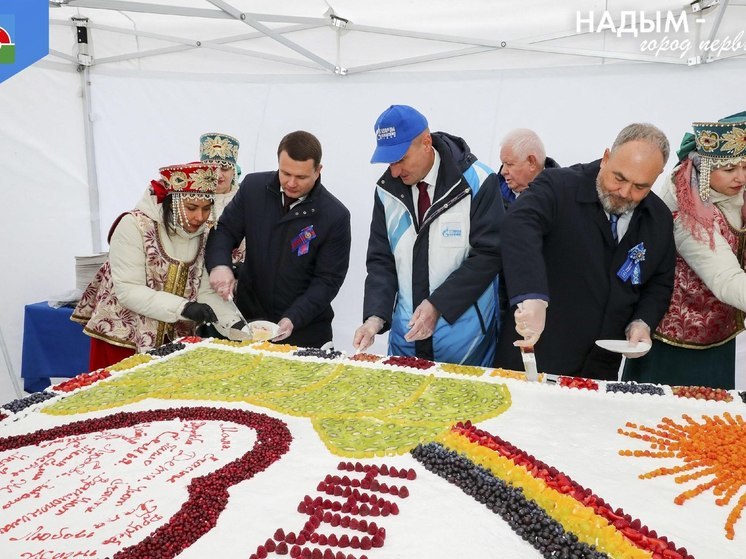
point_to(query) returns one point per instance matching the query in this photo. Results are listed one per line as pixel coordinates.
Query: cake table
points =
(209, 448)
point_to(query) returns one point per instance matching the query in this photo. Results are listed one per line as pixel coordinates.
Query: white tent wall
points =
(44, 188)
(142, 121)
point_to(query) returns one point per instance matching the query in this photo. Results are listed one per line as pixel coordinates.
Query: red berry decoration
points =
(207, 495)
(702, 393)
(190, 339)
(578, 382)
(405, 361)
(81, 380)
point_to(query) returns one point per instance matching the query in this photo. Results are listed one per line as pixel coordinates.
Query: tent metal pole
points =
(186, 44)
(252, 21)
(90, 152)
(716, 25)
(172, 10)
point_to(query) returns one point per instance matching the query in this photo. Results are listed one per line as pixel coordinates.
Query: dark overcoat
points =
(557, 245)
(280, 278)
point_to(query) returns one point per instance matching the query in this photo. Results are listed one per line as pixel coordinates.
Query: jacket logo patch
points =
(451, 230)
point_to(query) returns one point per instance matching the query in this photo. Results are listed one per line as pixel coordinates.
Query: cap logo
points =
(386, 133)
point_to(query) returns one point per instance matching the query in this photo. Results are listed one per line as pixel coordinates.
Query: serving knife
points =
(235, 333)
(529, 363)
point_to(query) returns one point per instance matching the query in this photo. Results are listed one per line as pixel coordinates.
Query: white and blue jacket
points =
(453, 259)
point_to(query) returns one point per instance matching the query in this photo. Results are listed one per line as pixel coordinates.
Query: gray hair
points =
(643, 132)
(525, 142)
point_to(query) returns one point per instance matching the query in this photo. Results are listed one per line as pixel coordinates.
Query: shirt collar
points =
(432, 176)
(299, 199)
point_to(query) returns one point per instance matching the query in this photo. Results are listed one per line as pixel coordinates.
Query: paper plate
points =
(263, 330)
(623, 346)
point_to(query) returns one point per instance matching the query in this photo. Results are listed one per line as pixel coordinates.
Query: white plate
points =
(263, 330)
(623, 346)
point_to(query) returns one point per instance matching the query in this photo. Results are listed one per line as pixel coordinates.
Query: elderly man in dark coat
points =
(588, 254)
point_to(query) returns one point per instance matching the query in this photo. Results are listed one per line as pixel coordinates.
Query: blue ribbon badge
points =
(631, 266)
(301, 242)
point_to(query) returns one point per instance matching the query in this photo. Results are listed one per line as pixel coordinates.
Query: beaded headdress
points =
(197, 179)
(215, 147)
(194, 180)
(218, 148)
(718, 144)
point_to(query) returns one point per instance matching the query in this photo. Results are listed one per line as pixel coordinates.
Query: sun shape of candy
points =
(713, 451)
(4, 37)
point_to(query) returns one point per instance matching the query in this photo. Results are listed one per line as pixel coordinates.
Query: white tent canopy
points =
(346, 37)
(85, 129)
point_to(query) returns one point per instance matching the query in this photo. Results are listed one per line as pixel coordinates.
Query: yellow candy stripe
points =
(589, 527)
(468, 370)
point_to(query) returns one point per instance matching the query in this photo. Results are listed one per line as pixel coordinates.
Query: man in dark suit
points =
(588, 254)
(297, 245)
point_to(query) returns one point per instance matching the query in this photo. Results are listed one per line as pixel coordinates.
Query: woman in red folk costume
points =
(146, 293)
(695, 342)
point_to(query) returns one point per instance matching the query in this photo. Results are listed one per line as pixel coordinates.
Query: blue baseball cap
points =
(395, 129)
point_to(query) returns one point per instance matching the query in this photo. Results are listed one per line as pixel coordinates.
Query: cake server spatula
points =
(529, 363)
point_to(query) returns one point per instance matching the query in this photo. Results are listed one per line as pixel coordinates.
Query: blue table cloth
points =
(53, 346)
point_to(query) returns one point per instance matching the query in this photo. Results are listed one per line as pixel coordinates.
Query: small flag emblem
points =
(7, 46)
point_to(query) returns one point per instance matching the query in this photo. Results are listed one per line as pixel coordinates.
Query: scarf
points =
(697, 216)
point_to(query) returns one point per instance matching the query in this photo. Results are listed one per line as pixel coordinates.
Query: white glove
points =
(423, 321)
(284, 329)
(530, 319)
(638, 331)
(223, 281)
(366, 333)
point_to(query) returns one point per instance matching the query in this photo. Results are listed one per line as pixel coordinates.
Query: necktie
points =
(613, 218)
(287, 202)
(423, 201)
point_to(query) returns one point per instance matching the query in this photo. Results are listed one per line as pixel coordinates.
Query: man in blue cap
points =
(433, 251)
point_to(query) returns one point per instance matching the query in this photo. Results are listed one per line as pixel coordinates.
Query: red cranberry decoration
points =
(208, 495)
(406, 361)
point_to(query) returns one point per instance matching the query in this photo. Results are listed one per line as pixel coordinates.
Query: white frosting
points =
(573, 430)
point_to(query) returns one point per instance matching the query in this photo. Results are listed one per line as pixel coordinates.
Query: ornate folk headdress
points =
(717, 144)
(193, 180)
(215, 147)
